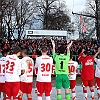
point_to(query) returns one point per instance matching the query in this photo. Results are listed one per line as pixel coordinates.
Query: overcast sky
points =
(76, 5)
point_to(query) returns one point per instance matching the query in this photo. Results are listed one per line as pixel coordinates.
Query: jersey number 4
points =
(45, 67)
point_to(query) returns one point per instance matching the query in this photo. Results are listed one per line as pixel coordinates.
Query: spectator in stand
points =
(35, 44)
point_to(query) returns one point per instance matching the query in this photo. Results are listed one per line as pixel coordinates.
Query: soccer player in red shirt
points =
(87, 73)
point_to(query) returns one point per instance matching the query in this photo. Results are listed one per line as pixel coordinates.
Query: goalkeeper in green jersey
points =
(61, 70)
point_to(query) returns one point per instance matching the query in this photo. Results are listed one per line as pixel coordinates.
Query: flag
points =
(82, 24)
(81, 19)
(84, 28)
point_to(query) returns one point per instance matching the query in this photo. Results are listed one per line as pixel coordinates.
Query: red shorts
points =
(72, 84)
(26, 87)
(44, 87)
(89, 83)
(2, 87)
(98, 82)
(12, 89)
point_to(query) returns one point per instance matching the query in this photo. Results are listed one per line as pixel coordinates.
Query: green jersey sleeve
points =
(54, 55)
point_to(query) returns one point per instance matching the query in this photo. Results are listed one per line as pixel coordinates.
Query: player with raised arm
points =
(97, 72)
(72, 65)
(87, 74)
(26, 77)
(61, 70)
(5, 52)
(44, 64)
(12, 72)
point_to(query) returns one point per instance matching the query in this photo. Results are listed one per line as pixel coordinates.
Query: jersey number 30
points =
(45, 67)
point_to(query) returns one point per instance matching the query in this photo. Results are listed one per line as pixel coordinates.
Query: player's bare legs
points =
(4, 96)
(29, 96)
(20, 97)
(0, 95)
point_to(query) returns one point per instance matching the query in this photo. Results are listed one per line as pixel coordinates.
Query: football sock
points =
(85, 93)
(68, 96)
(39, 98)
(73, 94)
(29, 98)
(92, 91)
(59, 97)
(19, 98)
(47, 97)
(98, 91)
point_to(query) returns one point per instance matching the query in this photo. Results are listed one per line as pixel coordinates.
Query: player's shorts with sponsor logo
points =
(89, 83)
(62, 80)
(12, 89)
(98, 82)
(72, 84)
(44, 87)
(2, 87)
(26, 87)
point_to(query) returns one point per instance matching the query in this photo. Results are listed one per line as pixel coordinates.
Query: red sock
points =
(85, 94)
(19, 98)
(29, 98)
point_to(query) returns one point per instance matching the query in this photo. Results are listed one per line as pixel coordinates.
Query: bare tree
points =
(53, 14)
(16, 16)
(92, 17)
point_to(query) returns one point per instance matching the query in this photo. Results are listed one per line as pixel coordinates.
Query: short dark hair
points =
(16, 50)
(86, 52)
(44, 49)
(5, 51)
(25, 51)
(61, 49)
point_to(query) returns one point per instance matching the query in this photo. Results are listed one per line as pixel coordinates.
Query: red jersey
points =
(87, 67)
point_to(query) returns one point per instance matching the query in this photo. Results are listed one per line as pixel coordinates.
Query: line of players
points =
(16, 76)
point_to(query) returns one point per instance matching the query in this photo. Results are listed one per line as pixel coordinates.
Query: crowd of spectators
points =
(34, 45)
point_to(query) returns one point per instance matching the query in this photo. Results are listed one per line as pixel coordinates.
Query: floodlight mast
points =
(97, 18)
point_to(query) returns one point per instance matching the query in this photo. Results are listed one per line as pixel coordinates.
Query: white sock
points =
(73, 95)
(85, 95)
(39, 98)
(92, 94)
(98, 91)
(47, 97)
